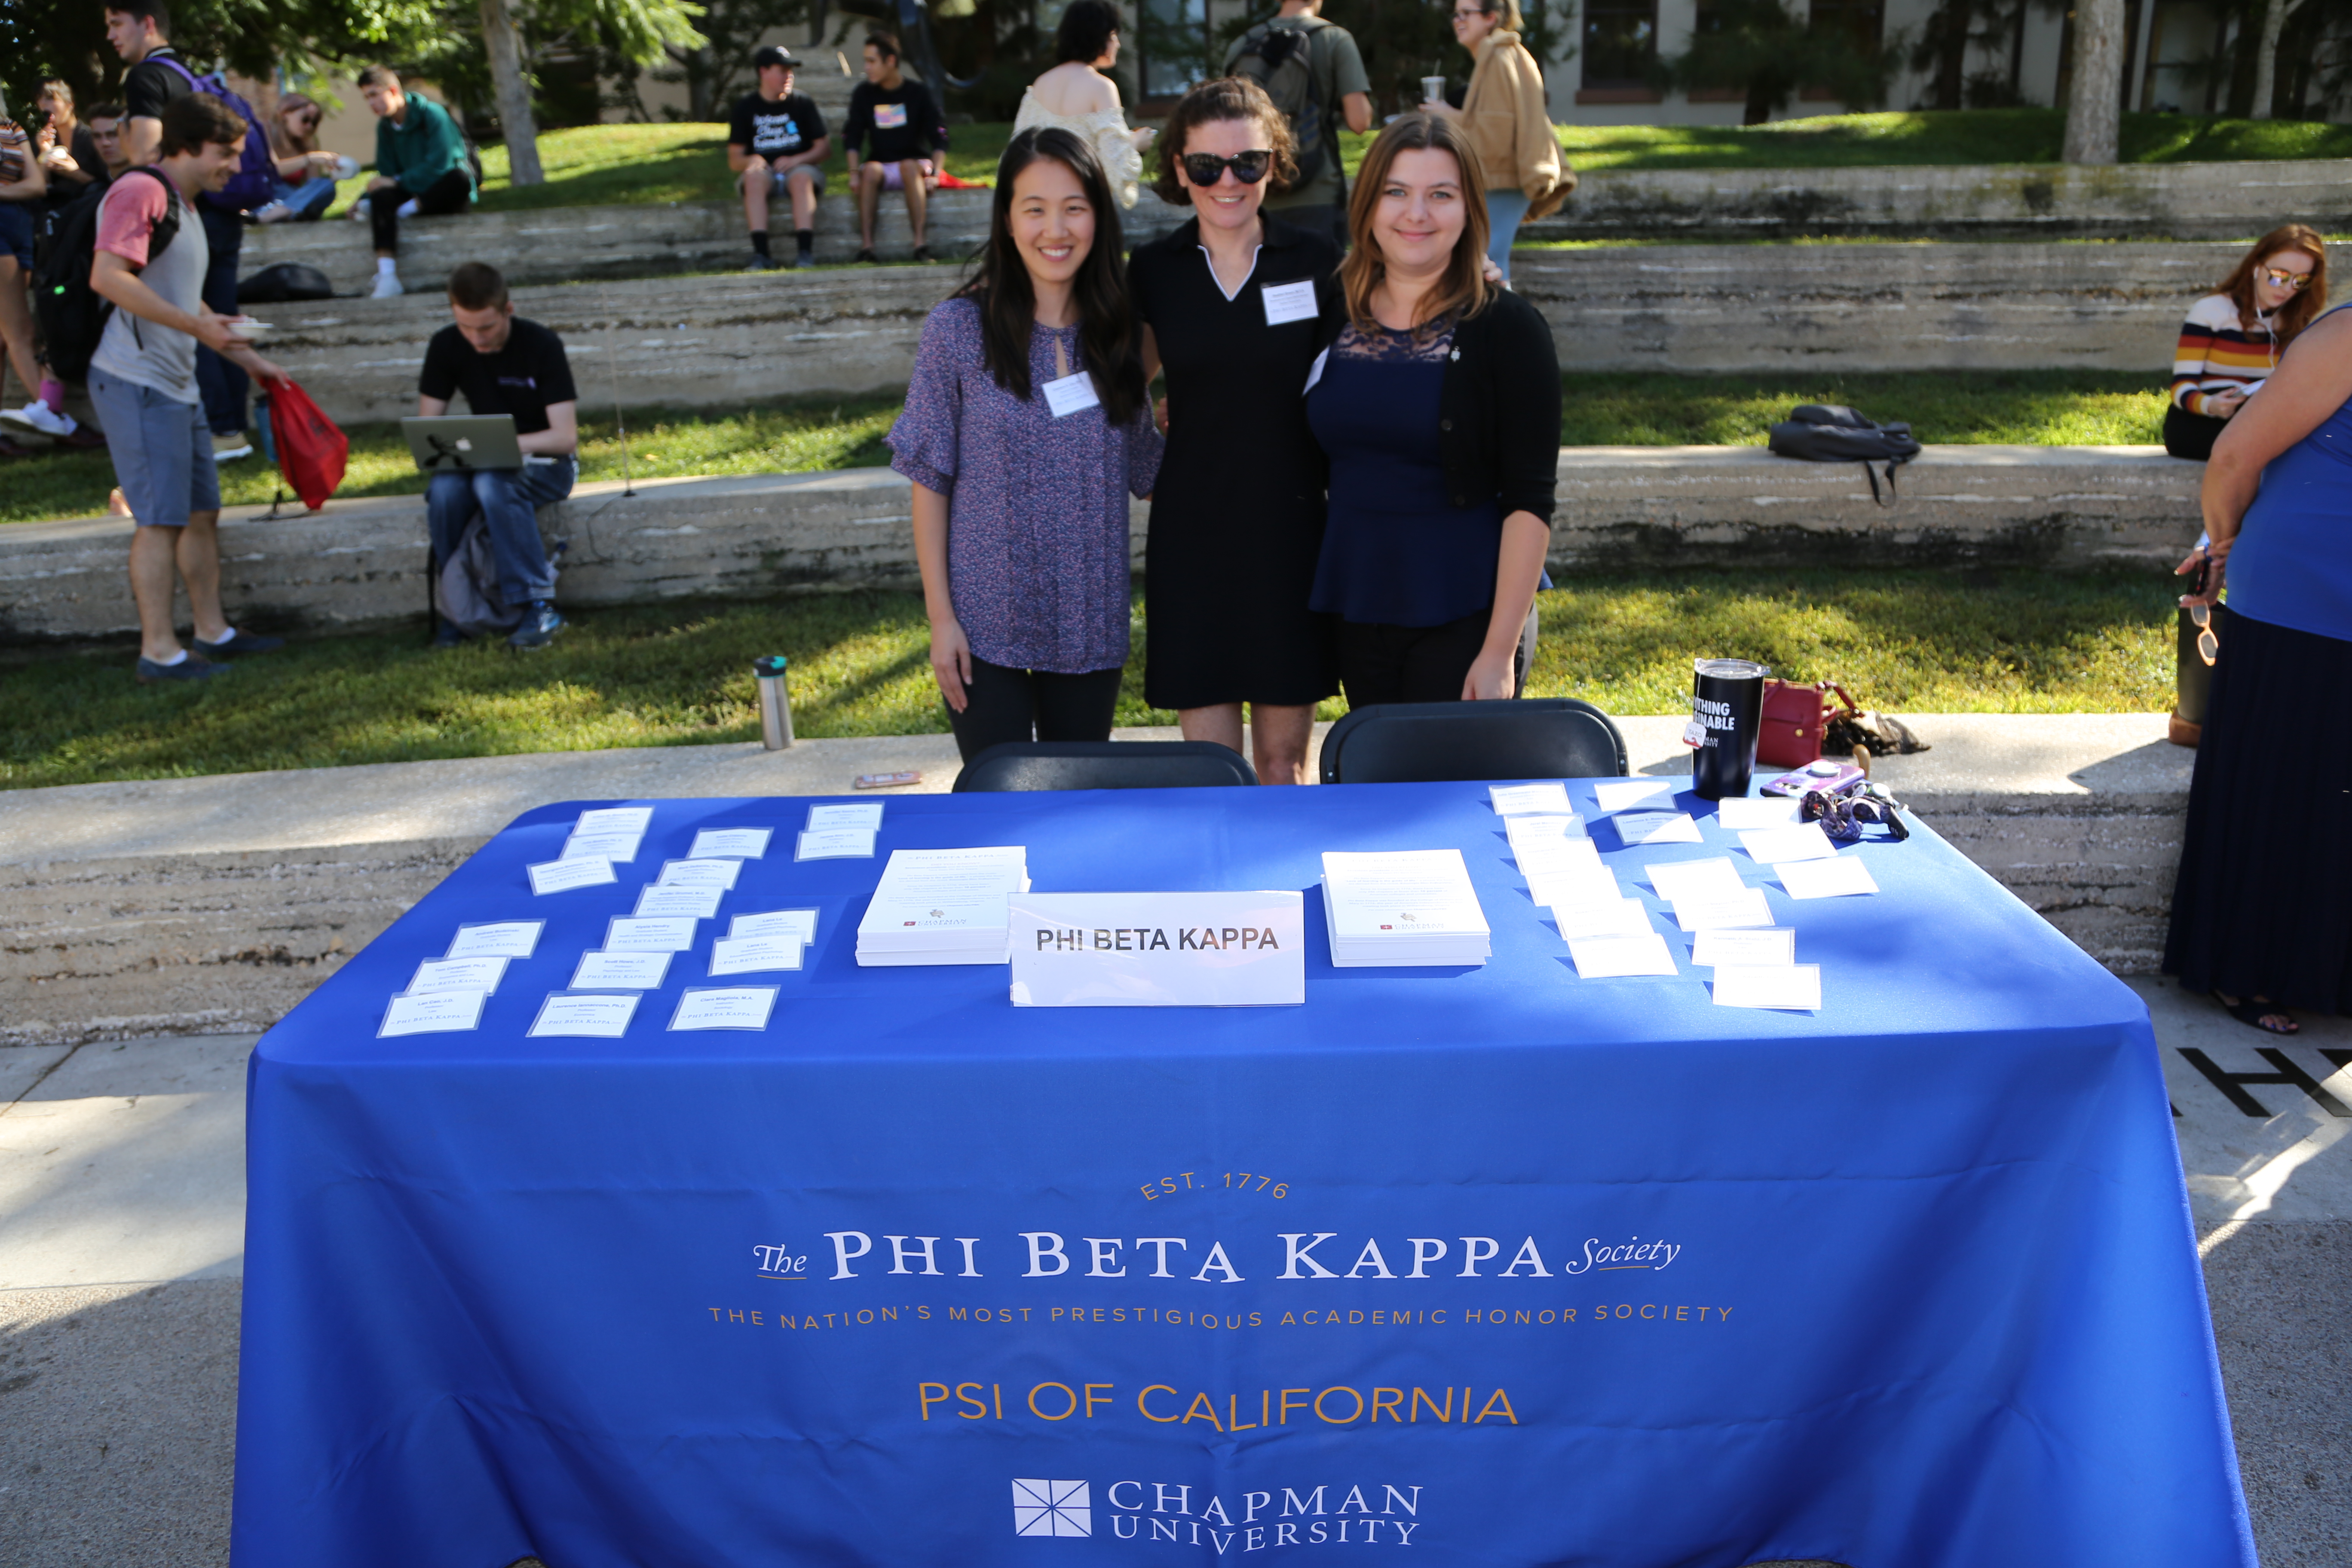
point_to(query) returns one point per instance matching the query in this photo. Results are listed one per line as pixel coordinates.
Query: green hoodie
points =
(422, 149)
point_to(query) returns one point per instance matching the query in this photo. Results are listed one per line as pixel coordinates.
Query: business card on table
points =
(699, 874)
(501, 939)
(1715, 878)
(1614, 957)
(606, 845)
(1634, 827)
(563, 875)
(863, 814)
(435, 1013)
(1744, 949)
(620, 971)
(1619, 793)
(1542, 829)
(725, 1007)
(730, 844)
(1771, 845)
(480, 974)
(798, 924)
(1761, 811)
(614, 819)
(1591, 885)
(834, 843)
(1530, 799)
(1745, 908)
(1602, 916)
(754, 954)
(697, 903)
(1795, 987)
(589, 1017)
(660, 934)
(1838, 879)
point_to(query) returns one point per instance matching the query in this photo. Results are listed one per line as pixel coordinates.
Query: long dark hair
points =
(1008, 304)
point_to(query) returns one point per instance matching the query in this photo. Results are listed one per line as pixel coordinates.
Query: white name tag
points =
(505, 939)
(435, 1013)
(1315, 371)
(1158, 949)
(576, 872)
(754, 954)
(590, 1018)
(1070, 394)
(1287, 303)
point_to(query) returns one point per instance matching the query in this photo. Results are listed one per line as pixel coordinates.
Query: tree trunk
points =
(2092, 121)
(1760, 105)
(2274, 16)
(505, 46)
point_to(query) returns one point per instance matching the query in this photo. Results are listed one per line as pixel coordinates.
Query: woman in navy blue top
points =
(1437, 401)
(2262, 912)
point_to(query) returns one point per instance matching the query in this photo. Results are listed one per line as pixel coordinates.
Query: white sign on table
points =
(573, 871)
(1158, 949)
(500, 938)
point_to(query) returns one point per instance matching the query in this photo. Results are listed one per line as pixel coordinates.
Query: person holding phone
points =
(1438, 404)
(1232, 303)
(2234, 336)
(1026, 428)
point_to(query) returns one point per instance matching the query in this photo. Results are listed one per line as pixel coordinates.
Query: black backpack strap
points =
(1892, 495)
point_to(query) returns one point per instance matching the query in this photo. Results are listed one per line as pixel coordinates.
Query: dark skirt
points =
(2262, 906)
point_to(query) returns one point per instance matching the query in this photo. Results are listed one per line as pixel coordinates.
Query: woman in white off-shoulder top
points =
(1077, 97)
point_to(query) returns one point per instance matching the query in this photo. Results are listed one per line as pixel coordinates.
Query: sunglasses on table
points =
(1207, 168)
(2280, 278)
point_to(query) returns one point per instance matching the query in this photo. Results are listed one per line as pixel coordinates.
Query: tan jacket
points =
(1504, 112)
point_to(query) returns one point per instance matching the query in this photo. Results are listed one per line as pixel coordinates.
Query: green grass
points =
(681, 674)
(2042, 407)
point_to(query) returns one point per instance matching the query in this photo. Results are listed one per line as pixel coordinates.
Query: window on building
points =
(1864, 21)
(1176, 45)
(1620, 39)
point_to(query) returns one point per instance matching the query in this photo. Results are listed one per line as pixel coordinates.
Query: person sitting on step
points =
(776, 144)
(897, 129)
(420, 168)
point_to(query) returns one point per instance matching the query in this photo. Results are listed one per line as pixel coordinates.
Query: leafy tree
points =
(641, 31)
(1763, 50)
(719, 69)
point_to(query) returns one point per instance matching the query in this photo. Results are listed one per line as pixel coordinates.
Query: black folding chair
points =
(1104, 765)
(1421, 742)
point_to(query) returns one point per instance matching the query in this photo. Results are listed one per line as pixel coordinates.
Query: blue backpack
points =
(257, 171)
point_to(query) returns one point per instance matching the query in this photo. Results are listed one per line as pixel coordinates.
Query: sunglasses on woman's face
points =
(1207, 168)
(2280, 278)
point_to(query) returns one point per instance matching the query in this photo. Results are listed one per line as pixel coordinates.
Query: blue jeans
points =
(509, 500)
(221, 385)
(306, 200)
(1505, 211)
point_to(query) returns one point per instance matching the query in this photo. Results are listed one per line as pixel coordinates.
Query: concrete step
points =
(725, 341)
(361, 561)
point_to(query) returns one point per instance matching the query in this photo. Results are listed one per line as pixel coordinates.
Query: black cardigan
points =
(1498, 412)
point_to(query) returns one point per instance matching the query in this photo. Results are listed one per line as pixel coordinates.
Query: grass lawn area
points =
(652, 165)
(2052, 407)
(681, 674)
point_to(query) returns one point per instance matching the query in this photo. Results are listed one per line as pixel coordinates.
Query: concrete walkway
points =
(121, 1218)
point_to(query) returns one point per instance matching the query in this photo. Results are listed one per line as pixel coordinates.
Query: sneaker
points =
(387, 287)
(359, 212)
(758, 263)
(272, 212)
(866, 253)
(923, 253)
(239, 643)
(189, 669)
(538, 627)
(38, 416)
(228, 445)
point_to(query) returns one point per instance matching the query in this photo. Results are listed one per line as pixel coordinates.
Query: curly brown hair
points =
(1226, 98)
(2302, 309)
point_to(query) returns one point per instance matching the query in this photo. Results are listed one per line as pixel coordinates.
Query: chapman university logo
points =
(1051, 1507)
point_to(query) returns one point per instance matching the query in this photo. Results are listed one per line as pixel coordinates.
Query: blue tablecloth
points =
(1497, 1265)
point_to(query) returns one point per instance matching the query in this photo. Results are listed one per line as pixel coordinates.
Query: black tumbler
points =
(1728, 705)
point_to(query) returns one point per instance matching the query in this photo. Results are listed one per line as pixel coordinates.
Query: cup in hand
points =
(1433, 90)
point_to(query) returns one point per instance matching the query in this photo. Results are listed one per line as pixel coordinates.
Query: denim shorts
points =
(162, 451)
(16, 231)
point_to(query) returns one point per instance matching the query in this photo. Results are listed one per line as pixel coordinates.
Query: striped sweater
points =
(2217, 353)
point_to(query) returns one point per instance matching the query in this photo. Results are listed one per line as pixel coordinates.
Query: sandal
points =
(2251, 1013)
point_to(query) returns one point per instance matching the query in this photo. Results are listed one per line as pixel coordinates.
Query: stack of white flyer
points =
(944, 906)
(1402, 907)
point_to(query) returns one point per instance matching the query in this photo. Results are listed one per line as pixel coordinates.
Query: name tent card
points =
(863, 815)
(1619, 793)
(729, 843)
(725, 1007)
(563, 875)
(754, 954)
(798, 924)
(505, 938)
(696, 903)
(1530, 800)
(1639, 828)
(699, 874)
(1744, 949)
(620, 971)
(656, 933)
(480, 974)
(1771, 845)
(1159, 950)
(615, 819)
(608, 845)
(434, 1013)
(1794, 987)
(589, 1017)
(1842, 877)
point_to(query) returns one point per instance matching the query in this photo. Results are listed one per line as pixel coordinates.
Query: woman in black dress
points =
(1231, 302)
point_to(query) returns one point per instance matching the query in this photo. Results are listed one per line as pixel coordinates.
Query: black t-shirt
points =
(151, 84)
(521, 379)
(902, 121)
(775, 129)
(84, 148)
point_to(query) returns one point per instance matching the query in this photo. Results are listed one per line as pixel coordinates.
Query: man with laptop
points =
(505, 365)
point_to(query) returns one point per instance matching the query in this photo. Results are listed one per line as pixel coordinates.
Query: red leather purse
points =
(1795, 718)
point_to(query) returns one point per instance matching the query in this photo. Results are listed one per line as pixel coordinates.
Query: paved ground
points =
(122, 1193)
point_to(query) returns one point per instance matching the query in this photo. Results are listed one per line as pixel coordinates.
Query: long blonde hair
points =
(283, 142)
(1464, 288)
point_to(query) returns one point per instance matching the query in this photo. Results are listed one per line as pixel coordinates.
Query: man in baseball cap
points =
(776, 145)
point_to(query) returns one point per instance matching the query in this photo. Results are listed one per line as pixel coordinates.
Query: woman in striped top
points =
(2234, 337)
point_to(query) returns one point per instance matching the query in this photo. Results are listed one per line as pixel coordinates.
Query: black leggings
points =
(1380, 663)
(1002, 704)
(446, 195)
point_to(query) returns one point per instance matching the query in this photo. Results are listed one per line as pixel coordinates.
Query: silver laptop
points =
(463, 443)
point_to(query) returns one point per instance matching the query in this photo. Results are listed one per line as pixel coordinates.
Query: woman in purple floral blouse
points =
(1025, 430)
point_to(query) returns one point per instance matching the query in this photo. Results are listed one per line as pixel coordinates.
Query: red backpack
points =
(310, 451)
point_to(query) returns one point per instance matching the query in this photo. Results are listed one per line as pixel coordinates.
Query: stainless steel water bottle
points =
(775, 703)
